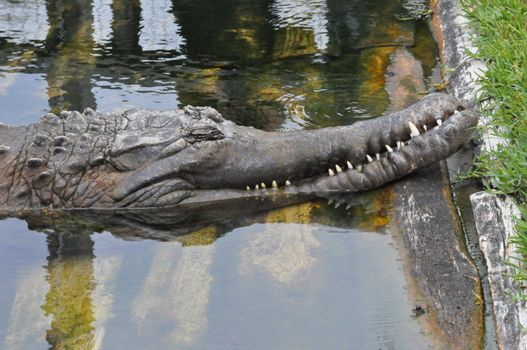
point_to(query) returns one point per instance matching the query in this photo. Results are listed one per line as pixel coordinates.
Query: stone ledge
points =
(493, 217)
(493, 214)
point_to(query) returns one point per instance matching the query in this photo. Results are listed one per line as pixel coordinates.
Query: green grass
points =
(501, 27)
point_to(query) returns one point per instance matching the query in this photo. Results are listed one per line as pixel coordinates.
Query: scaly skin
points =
(161, 159)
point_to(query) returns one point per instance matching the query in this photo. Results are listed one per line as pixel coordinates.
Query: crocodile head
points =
(160, 159)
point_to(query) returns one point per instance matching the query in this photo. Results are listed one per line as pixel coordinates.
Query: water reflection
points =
(68, 301)
(102, 20)
(176, 292)
(267, 280)
(271, 64)
(406, 80)
(23, 22)
(285, 252)
(159, 29)
(26, 322)
(70, 42)
(105, 274)
(308, 16)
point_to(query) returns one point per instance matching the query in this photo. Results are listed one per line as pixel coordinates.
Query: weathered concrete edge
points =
(495, 228)
(493, 214)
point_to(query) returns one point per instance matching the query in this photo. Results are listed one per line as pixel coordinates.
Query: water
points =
(284, 281)
(283, 64)
(307, 276)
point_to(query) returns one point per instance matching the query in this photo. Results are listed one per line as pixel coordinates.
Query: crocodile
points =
(157, 159)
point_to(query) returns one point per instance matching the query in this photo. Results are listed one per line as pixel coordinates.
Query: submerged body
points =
(150, 159)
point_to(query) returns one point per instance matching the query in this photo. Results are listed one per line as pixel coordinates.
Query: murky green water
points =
(305, 277)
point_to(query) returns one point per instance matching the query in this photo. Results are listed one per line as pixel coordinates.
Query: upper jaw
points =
(250, 158)
(330, 151)
(427, 114)
(422, 149)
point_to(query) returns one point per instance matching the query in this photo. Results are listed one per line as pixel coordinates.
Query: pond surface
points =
(263, 286)
(308, 276)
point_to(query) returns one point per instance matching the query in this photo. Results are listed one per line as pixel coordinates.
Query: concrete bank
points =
(442, 280)
(493, 214)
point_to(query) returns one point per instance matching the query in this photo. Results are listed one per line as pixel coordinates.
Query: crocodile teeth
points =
(274, 184)
(339, 169)
(359, 168)
(413, 130)
(331, 173)
(400, 145)
(378, 156)
(425, 128)
(248, 188)
(389, 148)
(349, 165)
(337, 205)
(256, 187)
(370, 159)
(439, 122)
(287, 182)
(262, 185)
